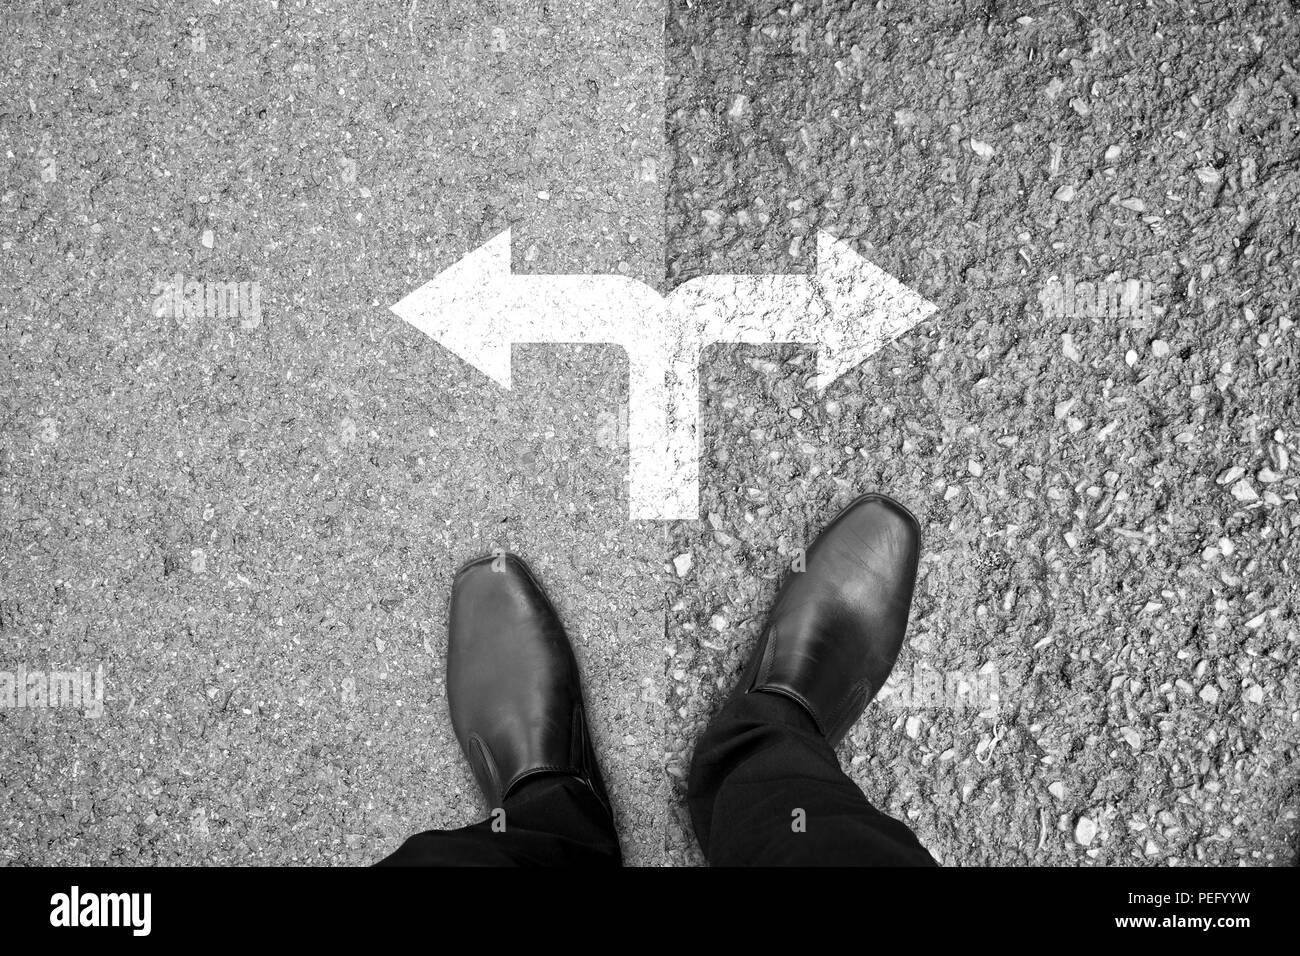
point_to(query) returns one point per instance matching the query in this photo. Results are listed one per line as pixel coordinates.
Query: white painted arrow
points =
(479, 308)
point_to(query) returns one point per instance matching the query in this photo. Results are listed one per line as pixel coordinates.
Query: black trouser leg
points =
(767, 790)
(552, 820)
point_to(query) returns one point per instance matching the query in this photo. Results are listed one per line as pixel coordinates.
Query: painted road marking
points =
(478, 308)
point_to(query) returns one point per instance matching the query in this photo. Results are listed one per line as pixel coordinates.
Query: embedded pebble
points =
(1244, 491)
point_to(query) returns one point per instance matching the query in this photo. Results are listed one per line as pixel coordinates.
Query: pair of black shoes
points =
(829, 644)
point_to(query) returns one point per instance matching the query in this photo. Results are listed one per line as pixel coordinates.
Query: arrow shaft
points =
(663, 428)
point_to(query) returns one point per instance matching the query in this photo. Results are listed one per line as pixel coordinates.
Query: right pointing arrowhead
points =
(868, 307)
(460, 308)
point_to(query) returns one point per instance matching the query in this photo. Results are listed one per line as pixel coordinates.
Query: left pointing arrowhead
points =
(460, 308)
(867, 308)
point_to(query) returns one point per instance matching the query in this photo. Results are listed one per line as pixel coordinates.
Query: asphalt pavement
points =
(249, 516)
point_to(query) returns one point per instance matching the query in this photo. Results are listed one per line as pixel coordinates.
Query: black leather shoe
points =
(837, 627)
(512, 681)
